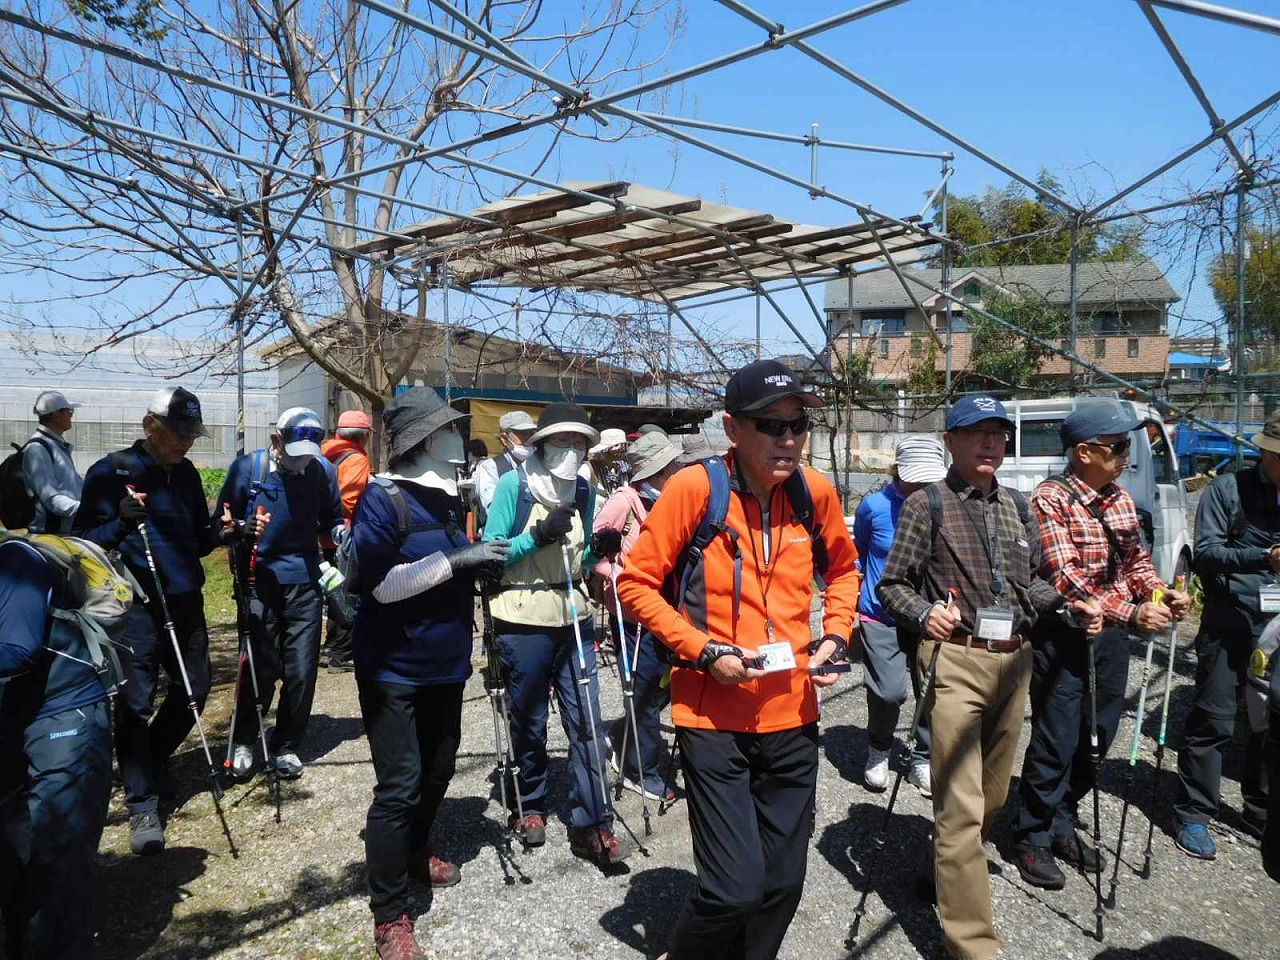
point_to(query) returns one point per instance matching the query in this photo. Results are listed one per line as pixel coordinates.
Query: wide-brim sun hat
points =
(650, 454)
(1268, 438)
(609, 438)
(413, 416)
(565, 418)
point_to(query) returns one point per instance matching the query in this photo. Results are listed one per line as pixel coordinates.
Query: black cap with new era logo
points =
(759, 384)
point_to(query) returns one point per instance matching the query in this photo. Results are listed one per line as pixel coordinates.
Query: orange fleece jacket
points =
(353, 472)
(780, 591)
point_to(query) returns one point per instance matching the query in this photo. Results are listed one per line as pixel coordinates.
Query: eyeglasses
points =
(776, 428)
(294, 434)
(1004, 436)
(1118, 448)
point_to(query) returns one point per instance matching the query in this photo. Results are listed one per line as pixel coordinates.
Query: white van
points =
(1152, 477)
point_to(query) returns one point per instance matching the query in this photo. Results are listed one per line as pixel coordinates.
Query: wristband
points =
(841, 651)
(713, 651)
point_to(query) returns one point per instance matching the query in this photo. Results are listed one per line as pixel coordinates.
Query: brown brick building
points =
(1122, 311)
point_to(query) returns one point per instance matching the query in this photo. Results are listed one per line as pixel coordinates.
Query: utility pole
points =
(946, 278)
(1242, 194)
(1074, 269)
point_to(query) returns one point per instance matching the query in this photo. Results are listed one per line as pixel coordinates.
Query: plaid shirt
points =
(1077, 551)
(922, 566)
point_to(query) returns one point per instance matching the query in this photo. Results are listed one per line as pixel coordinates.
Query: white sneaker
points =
(876, 775)
(242, 761)
(287, 765)
(920, 776)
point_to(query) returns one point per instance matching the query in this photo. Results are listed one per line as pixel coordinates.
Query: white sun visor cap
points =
(301, 432)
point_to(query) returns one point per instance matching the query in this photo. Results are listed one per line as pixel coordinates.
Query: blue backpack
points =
(524, 503)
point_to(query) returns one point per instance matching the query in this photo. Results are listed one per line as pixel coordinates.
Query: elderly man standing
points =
(170, 500)
(514, 430)
(298, 487)
(964, 572)
(1093, 551)
(743, 690)
(348, 451)
(47, 468)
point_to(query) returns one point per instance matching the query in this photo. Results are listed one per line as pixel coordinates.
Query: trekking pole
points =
(215, 785)
(246, 660)
(1145, 872)
(584, 681)
(925, 689)
(1139, 715)
(629, 704)
(495, 686)
(1095, 761)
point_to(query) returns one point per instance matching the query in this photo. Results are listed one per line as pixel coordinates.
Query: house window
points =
(1133, 347)
(884, 348)
(892, 323)
(1100, 348)
(971, 289)
(917, 347)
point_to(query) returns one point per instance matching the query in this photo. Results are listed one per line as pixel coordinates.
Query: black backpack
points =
(17, 506)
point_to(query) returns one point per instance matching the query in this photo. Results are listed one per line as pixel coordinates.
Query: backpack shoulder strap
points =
(709, 527)
(259, 467)
(396, 496)
(502, 464)
(582, 499)
(343, 456)
(934, 496)
(1023, 505)
(801, 500)
(524, 503)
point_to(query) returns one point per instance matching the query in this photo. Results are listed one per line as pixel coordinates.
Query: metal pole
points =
(813, 158)
(448, 335)
(848, 391)
(946, 274)
(757, 321)
(666, 375)
(1075, 263)
(1242, 192)
(239, 318)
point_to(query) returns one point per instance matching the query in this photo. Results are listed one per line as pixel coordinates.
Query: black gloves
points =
(841, 651)
(132, 511)
(554, 525)
(606, 542)
(478, 554)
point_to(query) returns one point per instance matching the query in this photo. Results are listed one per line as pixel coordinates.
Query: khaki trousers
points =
(979, 702)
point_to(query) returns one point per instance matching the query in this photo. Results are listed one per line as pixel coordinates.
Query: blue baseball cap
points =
(1097, 418)
(967, 411)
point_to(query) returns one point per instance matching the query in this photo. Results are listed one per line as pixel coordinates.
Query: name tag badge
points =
(1269, 598)
(993, 624)
(777, 657)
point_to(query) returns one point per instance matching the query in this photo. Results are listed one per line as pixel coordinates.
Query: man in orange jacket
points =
(747, 729)
(348, 450)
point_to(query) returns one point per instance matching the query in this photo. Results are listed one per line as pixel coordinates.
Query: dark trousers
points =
(1271, 834)
(55, 781)
(1221, 665)
(888, 661)
(1056, 770)
(536, 658)
(146, 737)
(751, 814)
(337, 632)
(284, 628)
(414, 734)
(649, 699)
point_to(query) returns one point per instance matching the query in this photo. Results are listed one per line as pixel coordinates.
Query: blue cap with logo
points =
(1096, 418)
(968, 411)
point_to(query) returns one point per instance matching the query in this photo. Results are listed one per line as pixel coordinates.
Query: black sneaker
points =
(1075, 851)
(1040, 869)
(146, 835)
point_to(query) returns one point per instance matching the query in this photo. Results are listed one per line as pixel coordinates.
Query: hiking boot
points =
(338, 665)
(146, 834)
(428, 868)
(921, 778)
(1040, 869)
(532, 829)
(876, 774)
(1193, 839)
(395, 940)
(287, 766)
(1075, 851)
(242, 762)
(600, 845)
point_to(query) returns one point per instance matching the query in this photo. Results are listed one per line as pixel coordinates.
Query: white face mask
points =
(447, 445)
(521, 452)
(562, 462)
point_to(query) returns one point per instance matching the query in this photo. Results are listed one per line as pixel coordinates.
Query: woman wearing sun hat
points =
(542, 507)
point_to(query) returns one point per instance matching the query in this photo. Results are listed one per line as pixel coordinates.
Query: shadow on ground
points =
(645, 918)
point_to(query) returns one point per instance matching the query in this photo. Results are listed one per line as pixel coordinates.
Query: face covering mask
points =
(562, 462)
(521, 452)
(289, 464)
(447, 445)
(649, 490)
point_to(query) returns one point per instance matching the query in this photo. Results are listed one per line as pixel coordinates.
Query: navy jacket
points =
(177, 517)
(1234, 563)
(302, 506)
(35, 682)
(425, 639)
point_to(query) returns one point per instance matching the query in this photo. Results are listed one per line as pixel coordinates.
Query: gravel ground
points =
(297, 889)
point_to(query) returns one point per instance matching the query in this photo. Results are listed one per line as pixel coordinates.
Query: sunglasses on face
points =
(777, 428)
(294, 434)
(1118, 448)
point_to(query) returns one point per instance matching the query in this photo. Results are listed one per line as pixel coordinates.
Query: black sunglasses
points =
(776, 428)
(294, 434)
(1118, 448)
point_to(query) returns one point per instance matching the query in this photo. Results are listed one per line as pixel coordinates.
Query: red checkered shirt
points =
(1075, 547)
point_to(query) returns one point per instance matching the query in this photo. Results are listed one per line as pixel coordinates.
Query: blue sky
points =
(1081, 88)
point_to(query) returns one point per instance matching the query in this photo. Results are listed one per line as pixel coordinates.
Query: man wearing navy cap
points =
(298, 488)
(1092, 551)
(964, 572)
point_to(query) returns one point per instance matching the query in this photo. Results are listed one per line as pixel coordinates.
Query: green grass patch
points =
(212, 478)
(219, 599)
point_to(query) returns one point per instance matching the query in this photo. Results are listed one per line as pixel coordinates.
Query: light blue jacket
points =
(51, 479)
